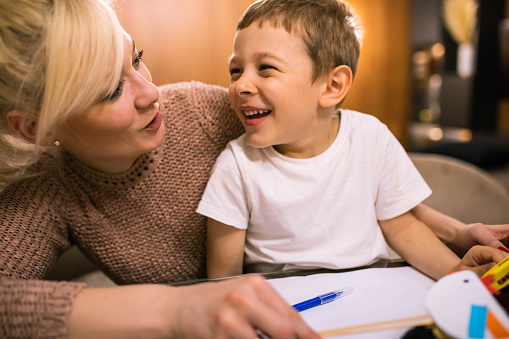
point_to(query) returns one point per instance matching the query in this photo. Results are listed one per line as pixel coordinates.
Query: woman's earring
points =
(56, 143)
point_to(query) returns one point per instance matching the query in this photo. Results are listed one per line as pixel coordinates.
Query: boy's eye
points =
(265, 67)
(137, 58)
(234, 71)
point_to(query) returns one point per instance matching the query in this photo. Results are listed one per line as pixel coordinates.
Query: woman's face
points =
(111, 135)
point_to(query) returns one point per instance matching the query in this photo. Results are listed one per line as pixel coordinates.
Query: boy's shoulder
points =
(356, 119)
(363, 127)
(352, 114)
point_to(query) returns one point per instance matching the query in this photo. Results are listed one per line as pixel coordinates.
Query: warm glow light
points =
(421, 57)
(438, 50)
(435, 80)
(426, 115)
(421, 61)
(466, 135)
(436, 134)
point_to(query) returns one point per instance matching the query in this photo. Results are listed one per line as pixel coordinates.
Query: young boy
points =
(309, 185)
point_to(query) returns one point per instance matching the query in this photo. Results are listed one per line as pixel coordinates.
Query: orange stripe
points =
(495, 327)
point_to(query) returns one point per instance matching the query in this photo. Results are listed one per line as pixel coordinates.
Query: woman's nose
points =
(146, 92)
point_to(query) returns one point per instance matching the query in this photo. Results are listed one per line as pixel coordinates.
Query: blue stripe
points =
(477, 322)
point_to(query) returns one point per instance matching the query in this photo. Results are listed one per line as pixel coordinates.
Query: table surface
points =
(503, 298)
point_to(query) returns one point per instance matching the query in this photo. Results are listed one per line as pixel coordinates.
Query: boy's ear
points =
(26, 127)
(337, 85)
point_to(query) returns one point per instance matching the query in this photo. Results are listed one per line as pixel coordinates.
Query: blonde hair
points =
(57, 58)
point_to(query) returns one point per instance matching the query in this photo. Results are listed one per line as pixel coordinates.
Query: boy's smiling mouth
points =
(256, 113)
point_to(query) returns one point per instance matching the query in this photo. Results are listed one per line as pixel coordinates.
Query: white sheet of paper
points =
(381, 294)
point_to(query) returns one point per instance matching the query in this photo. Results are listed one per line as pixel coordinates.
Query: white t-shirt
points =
(320, 211)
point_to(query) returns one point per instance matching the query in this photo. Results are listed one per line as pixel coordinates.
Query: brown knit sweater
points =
(138, 227)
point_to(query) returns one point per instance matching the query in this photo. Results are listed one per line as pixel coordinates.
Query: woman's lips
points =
(155, 123)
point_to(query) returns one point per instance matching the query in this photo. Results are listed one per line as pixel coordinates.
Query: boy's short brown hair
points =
(327, 28)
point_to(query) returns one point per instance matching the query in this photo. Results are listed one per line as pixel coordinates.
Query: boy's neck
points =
(311, 148)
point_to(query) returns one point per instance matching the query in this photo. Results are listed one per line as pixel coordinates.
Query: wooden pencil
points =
(421, 320)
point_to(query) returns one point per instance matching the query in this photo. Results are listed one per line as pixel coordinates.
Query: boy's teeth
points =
(256, 111)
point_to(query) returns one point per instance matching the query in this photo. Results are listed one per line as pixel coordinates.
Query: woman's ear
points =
(338, 84)
(26, 127)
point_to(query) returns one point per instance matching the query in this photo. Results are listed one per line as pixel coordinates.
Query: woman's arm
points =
(459, 236)
(233, 308)
(32, 236)
(225, 249)
(417, 244)
(35, 308)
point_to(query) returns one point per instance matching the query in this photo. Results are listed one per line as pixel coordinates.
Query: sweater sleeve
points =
(32, 236)
(35, 308)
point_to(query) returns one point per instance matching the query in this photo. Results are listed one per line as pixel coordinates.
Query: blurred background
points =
(435, 71)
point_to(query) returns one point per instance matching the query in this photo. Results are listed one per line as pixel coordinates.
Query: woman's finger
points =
(484, 236)
(270, 313)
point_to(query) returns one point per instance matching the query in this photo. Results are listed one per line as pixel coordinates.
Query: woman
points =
(73, 83)
(93, 154)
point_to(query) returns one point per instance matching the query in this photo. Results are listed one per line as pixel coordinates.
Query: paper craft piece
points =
(462, 307)
(381, 295)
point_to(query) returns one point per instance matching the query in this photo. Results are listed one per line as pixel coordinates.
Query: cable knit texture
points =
(139, 226)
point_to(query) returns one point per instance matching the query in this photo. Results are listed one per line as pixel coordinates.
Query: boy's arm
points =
(459, 236)
(419, 246)
(225, 249)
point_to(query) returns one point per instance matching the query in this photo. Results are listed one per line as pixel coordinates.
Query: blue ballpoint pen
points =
(323, 299)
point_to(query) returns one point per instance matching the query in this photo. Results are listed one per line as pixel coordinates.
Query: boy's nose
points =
(243, 86)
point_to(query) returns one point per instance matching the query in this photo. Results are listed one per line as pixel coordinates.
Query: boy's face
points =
(273, 94)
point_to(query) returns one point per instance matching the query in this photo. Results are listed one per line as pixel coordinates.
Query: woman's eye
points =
(116, 92)
(138, 58)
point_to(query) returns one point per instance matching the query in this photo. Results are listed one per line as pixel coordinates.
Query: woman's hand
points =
(233, 308)
(480, 259)
(496, 236)
(459, 236)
